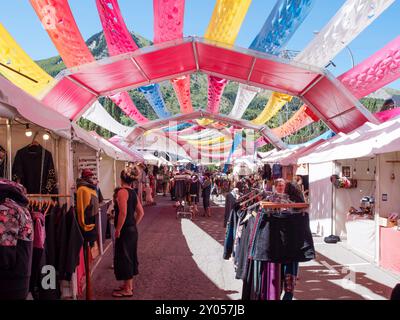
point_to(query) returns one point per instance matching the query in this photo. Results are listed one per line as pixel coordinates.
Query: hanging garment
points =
(267, 172)
(38, 260)
(3, 162)
(16, 242)
(230, 202)
(230, 234)
(276, 171)
(52, 250)
(181, 188)
(283, 238)
(87, 207)
(34, 168)
(71, 242)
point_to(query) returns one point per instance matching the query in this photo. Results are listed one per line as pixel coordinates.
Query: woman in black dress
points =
(128, 214)
(206, 193)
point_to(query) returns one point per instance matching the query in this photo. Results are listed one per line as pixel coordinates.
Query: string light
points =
(28, 131)
(46, 136)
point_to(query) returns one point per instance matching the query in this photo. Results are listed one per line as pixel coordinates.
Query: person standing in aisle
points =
(87, 208)
(206, 193)
(128, 214)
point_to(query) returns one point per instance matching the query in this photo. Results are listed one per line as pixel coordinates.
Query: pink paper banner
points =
(370, 75)
(215, 90)
(119, 41)
(168, 26)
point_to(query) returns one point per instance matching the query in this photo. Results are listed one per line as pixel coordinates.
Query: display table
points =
(390, 249)
(361, 234)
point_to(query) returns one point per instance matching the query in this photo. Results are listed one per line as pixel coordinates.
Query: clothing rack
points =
(48, 196)
(273, 205)
(252, 198)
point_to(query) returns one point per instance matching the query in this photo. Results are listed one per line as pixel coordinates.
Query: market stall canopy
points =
(151, 159)
(97, 143)
(183, 161)
(293, 158)
(116, 153)
(366, 141)
(77, 88)
(7, 111)
(18, 101)
(277, 155)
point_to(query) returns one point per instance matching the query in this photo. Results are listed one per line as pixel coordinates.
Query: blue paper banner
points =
(325, 136)
(153, 95)
(237, 141)
(285, 18)
(178, 127)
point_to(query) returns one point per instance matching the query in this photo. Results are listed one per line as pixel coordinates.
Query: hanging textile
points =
(223, 27)
(3, 162)
(370, 75)
(13, 56)
(168, 26)
(58, 21)
(153, 95)
(281, 24)
(119, 41)
(98, 115)
(353, 17)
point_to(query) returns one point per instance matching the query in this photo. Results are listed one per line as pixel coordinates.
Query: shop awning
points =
(100, 144)
(15, 101)
(366, 141)
(275, 156)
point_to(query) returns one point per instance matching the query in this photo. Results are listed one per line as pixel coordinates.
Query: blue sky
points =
(21, 21)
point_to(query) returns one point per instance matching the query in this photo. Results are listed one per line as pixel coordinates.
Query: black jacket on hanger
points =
(3, 162)
(27, 169)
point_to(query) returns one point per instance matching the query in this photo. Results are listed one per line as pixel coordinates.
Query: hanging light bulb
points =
(46, 136)
(28, 131)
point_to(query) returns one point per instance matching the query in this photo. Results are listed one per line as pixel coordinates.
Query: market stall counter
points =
(389, 249)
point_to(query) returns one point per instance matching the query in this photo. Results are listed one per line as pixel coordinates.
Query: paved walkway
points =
(182, 260)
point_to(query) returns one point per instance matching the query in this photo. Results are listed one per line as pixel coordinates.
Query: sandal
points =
(119, 289)
(122, 294)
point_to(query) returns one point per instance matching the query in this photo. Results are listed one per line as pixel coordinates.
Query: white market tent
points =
(366, 141)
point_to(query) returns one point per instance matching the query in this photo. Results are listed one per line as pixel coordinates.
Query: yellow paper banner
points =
(13, 56)
(207, 142)
(226, 20)
(274, 104)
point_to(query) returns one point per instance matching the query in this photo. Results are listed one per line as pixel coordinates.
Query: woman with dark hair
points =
(128, 214)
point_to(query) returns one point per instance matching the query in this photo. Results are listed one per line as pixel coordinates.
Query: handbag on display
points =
(332, 239)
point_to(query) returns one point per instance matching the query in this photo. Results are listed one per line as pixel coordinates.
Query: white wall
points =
(389, 186)
(321, 198)
(107, 178)
(346, 198)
